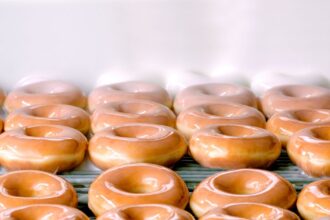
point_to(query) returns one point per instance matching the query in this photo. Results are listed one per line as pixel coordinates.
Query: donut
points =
(242, 185)
(42, 211)
(51, 148)
(126, 91)
(146, 211)
(314, 200)
(213, 92)
(28, 187)
(200, 116)
(133, 143)
(284, 124)
(293, 97)
(135, 184)
(45, 92)
(51, 114)
(309, 149)
(249, 210)
(234, 146)
(131, 111)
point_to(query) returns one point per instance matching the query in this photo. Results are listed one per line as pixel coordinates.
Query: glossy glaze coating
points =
(43, 211)
(133, 143)
(146, 211)
(243, 185)
(284, 124)
(249, 211)
(28, 187)
(197, 117)
(51, 148)
(135, 184)
(51, 114)
(131, 111)
(213, 92)
(293, 97)
(314, 200)
(234, 146)
(126, 91)
(309, 148)
(45, 92)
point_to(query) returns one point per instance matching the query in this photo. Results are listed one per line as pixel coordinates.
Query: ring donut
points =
(285, 124)
(28, 187)
(309, 149)
(135, 184)
(243, 185)
(234, 146)
(197, 117)
(146, 211)
(51, 148)
(131, 111)
(133, 143)
(213, 92)
(45, 92)
(249, 210)
(126, 91)
(51, 114)
(42, 211)
(293, 97)
(314, 200)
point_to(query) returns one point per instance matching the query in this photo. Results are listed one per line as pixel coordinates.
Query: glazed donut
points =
(243, 185)
(126, 91)
(136, 184)
(131, 111)
(27, 187)
(51, 114)
(146, 211)
(293, 97)
(213, 92)
(45, 92)
(133, 143)
(314, 200)
(284, 124)
(42, 211)
(51, 148)
(234, 146)
(249, 210)
(309, 149)
(197, 117)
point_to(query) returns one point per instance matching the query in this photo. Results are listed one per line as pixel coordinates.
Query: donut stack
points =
(135, 132)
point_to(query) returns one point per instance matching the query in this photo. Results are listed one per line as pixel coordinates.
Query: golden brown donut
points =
(314, 200)
(126, 91)
(249, 210)
(45, 92)
(309, 149)
(51, 148)
(284, 124)
(51, 114)
(234, 146)
(293, 97)
(42, 211)
(133, 143)
(131, 111)
(243, 185)
(135, 184)
(146, 211)
(27, 187)
(213, 92)
(197, 117)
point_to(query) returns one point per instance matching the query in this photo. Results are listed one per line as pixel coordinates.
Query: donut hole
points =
(221, 110)
(242, 183)
(220, 90)
(138, 131)
(50, 111)
(47, 88)
(235, 130)
(300, 91)
(136, 108)
(134, 87)
(147, 211)
(250, 211)
(29, 184)
(321, 133)
(43, 131)
(311, 115)
(324, 187)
